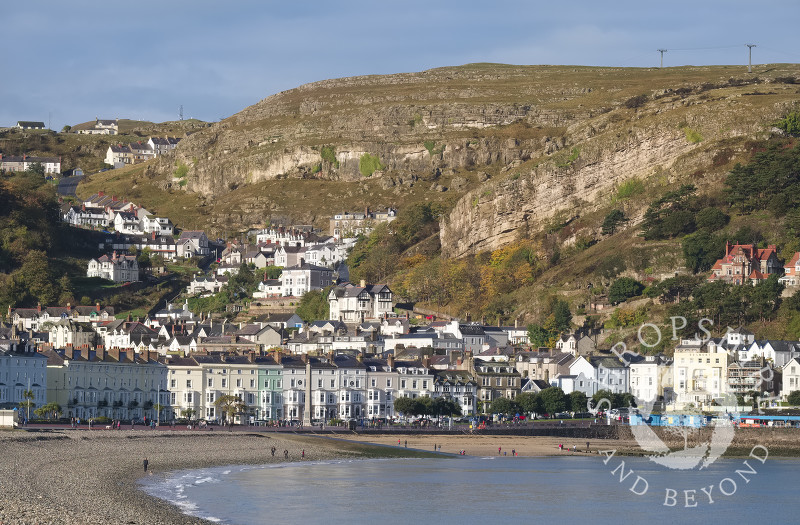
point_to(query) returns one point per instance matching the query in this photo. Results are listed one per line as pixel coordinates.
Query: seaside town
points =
(362, 363)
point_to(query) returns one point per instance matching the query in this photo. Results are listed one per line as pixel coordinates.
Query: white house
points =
(699, 373)
(354, 304)
(117, 268)
(304, 277)
(791, 378)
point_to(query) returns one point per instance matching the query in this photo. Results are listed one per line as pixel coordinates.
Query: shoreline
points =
(93, 477)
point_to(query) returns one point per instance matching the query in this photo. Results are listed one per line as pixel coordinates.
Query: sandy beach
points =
(483, 445)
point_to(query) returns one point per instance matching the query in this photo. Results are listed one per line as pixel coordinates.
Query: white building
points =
(297, 280)
(791, 378)
(700, 373)
(354, 304)
(21, 369)
(117, 268)
(651, 379)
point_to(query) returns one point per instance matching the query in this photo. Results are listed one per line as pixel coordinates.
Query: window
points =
(224, 382)
(210, 382)
(188, 383)
(238, 383)
(252, 383)
(388, 383)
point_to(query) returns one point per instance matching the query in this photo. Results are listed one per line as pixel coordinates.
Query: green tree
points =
(794, 398)
(562, 316)
(530, 403)
(701, 250)
(554, 400)
(66, 129)
(27, 403)
(50, 411)
(623, 289)
(229, 406)
(503, 405)
(712, 219)
(314, 305)
(613, 220)
(407, 406)
(442, 406)
(577, 401)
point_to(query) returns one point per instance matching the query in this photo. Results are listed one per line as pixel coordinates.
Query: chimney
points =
(113, 353)
(360, 358)
(278, 356)
(100, 352)
(97, 307)
(251, 357)
(85, 352)
(426, 362)
(362, 283)
(304, 358)
(69, 307)
(390, 361)
(68, 352)
(39, 307)
(101, 194)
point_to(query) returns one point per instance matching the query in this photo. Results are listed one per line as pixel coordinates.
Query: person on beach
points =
(144, 464)
(498, 450)
(513, 452)
(406, 443)
(285, 454)
(273, 451)
(587, 446)
(303, 454)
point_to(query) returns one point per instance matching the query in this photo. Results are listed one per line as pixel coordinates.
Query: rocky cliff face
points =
(555, 139)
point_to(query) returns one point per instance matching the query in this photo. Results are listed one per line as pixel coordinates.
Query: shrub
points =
(636, 102)
(623, 289)
(692, 136)
(328, 154)
(369, 164)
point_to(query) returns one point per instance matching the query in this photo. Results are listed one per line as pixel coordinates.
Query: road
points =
(68, 185)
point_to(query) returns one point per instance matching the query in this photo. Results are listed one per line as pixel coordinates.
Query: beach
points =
(90, 477)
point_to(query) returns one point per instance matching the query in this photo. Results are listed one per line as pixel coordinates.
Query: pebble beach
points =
(83, 477)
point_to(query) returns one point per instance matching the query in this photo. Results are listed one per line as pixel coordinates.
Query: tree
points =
(562, 317)
(406, 406)
(530, 403)
(701, 250)
(623, 289)
(794, 398)
(577, 401)
(50, 410)
(314, 305)
(188, 412)
(27, 404)
(712, 219)
(503, 405)
(229, 406)
(538, 336)
(553, 399)
(612, 221)
(442, 406)
(66, 129)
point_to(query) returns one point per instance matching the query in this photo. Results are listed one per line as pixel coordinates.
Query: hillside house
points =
(195, 243)
(101, 127)
(117, 268)
(346, 224)
(791, 272)
(354, 304)
(744, 263)
(51, 165)
(301, 278)
(119, 156)
(162, 145)
(28, 124)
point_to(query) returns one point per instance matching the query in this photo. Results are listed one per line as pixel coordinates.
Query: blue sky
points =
(68, 62)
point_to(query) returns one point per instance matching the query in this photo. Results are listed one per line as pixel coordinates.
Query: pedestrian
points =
(303, 454)
(285, 454)
(406, 443)
(273, 451)
(434, 447)
(498, 450)
(398, 442)
(587, 446)
(513, 452)
(145, 463)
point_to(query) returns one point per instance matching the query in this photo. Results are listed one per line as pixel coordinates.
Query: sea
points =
(479, 490)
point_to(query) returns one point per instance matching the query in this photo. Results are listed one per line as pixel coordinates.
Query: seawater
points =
(466, 490)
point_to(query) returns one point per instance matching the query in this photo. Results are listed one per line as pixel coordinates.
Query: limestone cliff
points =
(530, 141)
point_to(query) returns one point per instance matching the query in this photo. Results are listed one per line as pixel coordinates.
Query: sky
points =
(69, 62)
